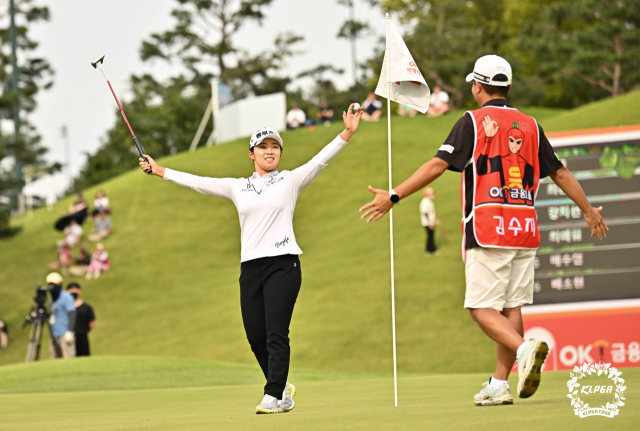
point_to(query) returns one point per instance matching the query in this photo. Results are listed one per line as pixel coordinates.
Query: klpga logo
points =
(602, 370)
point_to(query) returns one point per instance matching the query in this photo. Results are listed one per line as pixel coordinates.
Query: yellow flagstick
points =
(393, 294)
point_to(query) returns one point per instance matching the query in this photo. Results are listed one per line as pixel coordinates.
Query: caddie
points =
(502, 155)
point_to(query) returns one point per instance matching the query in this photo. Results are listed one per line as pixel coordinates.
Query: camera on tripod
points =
(40, 310)
(37, 318)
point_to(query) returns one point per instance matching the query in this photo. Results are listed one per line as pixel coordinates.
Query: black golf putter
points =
(94, 63)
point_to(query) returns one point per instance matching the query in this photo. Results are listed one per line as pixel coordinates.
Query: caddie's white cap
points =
(54, 278)
(487, 67)
(263, 133)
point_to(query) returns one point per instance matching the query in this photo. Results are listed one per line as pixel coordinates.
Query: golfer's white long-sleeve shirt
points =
(265, 204)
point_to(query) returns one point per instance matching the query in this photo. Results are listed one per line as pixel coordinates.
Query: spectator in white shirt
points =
(100, 203)
(270, 276)
(72, 233)
(296, 117)
(439, 102)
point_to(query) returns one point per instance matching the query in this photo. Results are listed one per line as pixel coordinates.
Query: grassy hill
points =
(615, 111)
(173, 290)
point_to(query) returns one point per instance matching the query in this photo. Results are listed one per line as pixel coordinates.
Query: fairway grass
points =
(349, 402)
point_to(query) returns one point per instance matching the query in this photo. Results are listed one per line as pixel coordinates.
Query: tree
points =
(162, 116)
(202, 41)
(17, 97)
(563, 52)
(162, 113)
(607, 53)
(353, 29)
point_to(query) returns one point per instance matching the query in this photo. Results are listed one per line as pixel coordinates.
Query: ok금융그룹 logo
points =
(614, 386)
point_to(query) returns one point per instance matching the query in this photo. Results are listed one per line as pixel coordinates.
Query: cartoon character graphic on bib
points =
(516, 174)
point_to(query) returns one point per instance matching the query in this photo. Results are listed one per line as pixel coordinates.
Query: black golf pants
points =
(269, 288)
(82, 345)
(431, 245)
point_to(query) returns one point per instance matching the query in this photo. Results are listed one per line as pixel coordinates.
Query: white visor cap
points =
(487, 67)
(263, 133)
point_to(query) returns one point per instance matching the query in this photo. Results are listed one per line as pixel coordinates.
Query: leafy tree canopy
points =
(34, 74)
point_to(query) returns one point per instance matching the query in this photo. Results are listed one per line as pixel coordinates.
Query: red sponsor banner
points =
(576, 337)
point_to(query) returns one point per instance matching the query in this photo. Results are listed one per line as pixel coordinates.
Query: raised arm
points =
(220, 187)
(308, 172)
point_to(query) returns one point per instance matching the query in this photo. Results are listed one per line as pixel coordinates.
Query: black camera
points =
(40, 296)
(39, 313)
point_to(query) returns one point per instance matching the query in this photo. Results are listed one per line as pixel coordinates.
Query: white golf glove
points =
(69, 337)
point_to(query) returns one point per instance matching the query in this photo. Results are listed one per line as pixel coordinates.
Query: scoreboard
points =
(586, 301)
(570, 265)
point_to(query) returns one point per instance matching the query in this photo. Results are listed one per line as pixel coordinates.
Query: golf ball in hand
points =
(356, 106)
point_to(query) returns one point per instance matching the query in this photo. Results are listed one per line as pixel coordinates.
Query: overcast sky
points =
(80, 30)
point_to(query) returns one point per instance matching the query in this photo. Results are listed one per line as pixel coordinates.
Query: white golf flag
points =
(408, 86)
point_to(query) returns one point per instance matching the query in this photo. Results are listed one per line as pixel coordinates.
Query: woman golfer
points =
(270, 274)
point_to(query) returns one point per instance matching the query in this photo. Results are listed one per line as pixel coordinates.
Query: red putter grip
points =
(141, 151)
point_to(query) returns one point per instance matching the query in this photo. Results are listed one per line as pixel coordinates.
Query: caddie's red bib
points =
(506, 169)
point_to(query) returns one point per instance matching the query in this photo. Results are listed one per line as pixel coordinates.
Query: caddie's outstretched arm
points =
(424, 176)
(570, 186)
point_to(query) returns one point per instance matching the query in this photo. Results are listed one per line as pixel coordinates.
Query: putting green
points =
(353, 402)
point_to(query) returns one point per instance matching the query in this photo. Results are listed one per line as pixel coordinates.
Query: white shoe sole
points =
(493, 402)
(529, 382)
(261, 411)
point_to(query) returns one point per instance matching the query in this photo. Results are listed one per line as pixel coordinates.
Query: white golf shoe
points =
(287, 402)
(493, 397)
(530, 367)
(269, 405)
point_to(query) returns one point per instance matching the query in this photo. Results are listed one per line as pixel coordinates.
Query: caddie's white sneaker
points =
(268, 405)
(530, 367)
(493, 397)
(287, 402)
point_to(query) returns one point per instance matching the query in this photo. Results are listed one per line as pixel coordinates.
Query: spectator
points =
(100, 203)
(83, 258)
(85, 320)
(428, 219)
(99, 262)
(72, 233)
(372, 108)
(63, 318)
(325, 112)
(4, 335)
(406, 111)
(81, 263)
(439, 102)
(64, 257)
(102, 227)
(296, 117)
(79, 208)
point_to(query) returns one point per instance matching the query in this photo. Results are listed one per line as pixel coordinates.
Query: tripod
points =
(38, 318)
